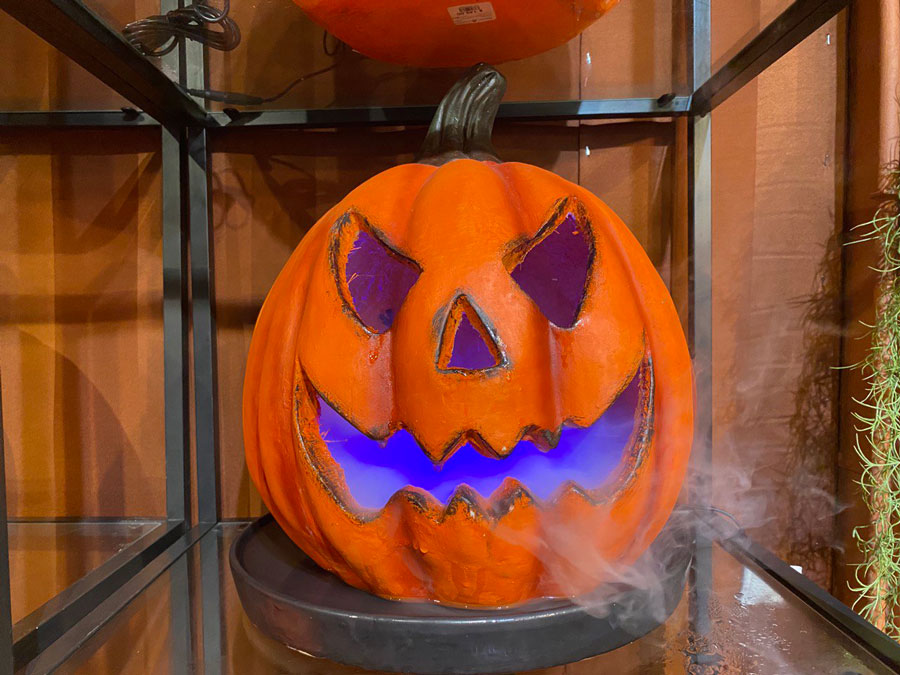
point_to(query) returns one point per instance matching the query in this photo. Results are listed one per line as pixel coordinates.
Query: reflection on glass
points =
(46, 558)
(633, 51)
(756, 628)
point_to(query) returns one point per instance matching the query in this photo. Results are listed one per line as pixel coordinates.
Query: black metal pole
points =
(89, 626)
(176, 309)
(211, 564)
(700, 322)
(204, 325)
(176, 326)
(181, 643)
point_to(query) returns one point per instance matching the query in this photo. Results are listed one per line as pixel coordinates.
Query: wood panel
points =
(81, 323)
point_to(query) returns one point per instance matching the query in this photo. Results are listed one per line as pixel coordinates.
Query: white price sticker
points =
(478, 12)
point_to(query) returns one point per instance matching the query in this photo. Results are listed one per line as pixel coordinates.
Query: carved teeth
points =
(510, 495)
(466, 502)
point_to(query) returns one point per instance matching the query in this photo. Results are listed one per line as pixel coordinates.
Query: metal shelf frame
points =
(189, 302)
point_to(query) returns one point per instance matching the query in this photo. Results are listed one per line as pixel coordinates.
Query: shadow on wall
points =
(81, 320)
(808, 473)
(71, 457)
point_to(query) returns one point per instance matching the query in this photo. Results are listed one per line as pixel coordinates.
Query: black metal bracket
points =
(520, 111)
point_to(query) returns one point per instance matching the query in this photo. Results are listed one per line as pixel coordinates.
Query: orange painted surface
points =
(464, 224)
(442, 34)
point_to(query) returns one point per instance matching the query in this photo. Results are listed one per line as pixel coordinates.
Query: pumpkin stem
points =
(464, 120)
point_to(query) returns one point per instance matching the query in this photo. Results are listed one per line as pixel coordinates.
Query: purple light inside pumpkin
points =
(375, 470)
(470, 350)
(554, 273)
(379, 281)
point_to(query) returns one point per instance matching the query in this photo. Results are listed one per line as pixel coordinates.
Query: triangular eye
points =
(466, 342)
(374, 278)
(556, 265)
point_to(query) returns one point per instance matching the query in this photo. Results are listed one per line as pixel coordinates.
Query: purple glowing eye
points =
(554, 272)
(378, 280)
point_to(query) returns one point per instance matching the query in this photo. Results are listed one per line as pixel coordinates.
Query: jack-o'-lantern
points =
(469, 383)
(448, 34)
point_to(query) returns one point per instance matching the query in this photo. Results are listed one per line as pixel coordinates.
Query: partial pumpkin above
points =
(469, 384)
(433, 34)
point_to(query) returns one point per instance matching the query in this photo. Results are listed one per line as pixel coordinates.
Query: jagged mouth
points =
(597, 460)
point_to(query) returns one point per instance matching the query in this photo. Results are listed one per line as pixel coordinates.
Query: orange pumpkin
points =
(448, 34)
(469, 384)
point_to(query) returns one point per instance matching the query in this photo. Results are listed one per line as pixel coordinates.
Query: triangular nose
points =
(466, 343)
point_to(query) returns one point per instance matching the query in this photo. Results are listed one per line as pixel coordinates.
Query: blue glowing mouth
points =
(375, 470)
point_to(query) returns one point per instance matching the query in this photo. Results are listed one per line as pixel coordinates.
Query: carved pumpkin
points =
(448, 34)
(469, 384)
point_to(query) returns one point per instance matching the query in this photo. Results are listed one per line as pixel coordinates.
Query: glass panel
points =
(627, 53)
(47, 558)
(756, 628)
(778, 181)
(36, 76)
(82, 340)
(735, 24)
(81, 345)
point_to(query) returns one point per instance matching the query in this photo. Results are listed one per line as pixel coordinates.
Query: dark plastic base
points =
(290, 598)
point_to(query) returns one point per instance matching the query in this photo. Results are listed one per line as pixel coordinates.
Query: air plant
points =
(878, 433)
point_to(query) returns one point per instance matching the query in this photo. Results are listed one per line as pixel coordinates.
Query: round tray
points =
(288, 597)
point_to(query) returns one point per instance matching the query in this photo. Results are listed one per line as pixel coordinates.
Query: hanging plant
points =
(878, 437)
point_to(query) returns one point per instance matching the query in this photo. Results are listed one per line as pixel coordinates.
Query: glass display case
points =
(151, 201)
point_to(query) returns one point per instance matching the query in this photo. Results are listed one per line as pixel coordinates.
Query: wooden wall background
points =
(81, 309)
(80, 268)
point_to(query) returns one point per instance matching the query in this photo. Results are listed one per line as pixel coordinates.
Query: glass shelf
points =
(280, 44)
(638, 50)
(45, 558)
(757, 627)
